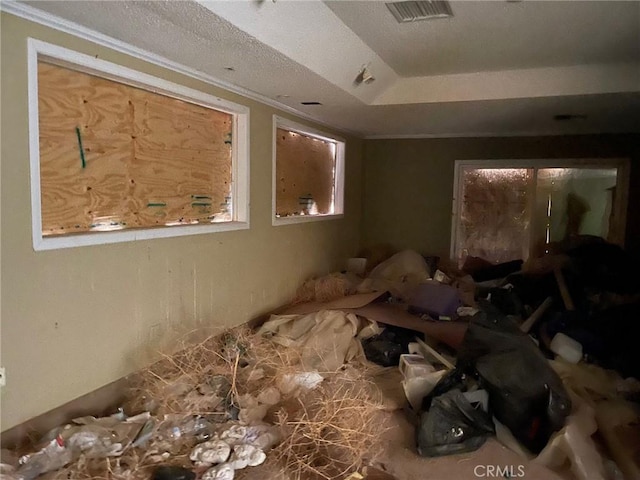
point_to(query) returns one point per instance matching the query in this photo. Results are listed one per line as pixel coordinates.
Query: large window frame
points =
(42, 51)
(620, 205)
(339, 172)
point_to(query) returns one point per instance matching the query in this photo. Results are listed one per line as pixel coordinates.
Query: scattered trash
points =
(413, 365)
(525, 393)
(301, 395)
(262, 436)
(566, 348)
(306, 380)
(452, 426)
(466, 311)
(7, 472)
(386, 348)
(246, 456)
(441, 277)
(619, 425)
(435, 299)
(164, 472)
(52, 457)
(326, 339)
(357, 265)
(210, 453)
(417, 388)
(223, 471)
(574, 442)
(400, 274)
(428, 351)
(479, 398)
(506, 299)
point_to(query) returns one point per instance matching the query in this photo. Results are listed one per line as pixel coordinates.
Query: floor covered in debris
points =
(406, 370)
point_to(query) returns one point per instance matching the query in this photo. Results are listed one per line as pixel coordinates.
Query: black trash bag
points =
(385, 349)
(525, 393)
(452, 426)
(507, 301)
(453, 379)
(491, 272)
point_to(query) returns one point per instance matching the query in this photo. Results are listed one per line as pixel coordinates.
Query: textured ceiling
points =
(498, 35)
(525, 61)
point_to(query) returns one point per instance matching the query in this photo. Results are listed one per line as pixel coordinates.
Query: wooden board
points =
(304, 170)
(147, 160)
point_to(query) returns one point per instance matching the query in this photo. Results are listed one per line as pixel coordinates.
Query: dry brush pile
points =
(324, 433)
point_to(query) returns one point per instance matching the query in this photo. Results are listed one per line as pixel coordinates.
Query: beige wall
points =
(408, 184)
(76, 319)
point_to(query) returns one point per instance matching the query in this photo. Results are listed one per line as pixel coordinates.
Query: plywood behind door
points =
(149, 160)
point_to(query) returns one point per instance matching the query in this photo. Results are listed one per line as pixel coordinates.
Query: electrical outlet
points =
(3, 377)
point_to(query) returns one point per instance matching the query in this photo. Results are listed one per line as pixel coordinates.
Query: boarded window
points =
(308, 173)
(116, 157)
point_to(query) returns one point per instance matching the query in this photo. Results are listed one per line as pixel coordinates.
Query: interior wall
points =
(408, 183)
(76, 319)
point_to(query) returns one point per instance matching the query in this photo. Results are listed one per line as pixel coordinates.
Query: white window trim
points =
(85, 63)
(338, 203)
(622, 164)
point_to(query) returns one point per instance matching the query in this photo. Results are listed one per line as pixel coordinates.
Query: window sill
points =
(277, 221)
(102, 238)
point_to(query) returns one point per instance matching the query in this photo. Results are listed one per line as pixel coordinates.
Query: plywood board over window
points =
(305, 173)
(308, 173)
(115, 156)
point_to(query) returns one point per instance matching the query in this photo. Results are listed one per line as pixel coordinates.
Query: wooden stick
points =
(435, 354)
(535, 316)
(564, 291)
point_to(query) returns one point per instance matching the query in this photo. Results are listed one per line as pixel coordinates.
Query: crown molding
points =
(36, 15)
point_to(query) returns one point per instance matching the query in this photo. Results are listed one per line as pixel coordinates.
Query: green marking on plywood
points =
(82, 159)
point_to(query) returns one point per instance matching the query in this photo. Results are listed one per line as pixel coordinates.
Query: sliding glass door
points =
(508, 210)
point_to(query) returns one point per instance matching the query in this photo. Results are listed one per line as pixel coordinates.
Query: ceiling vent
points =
(415, 11)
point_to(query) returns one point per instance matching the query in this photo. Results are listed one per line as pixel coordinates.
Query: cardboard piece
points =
(365, 306)
(349, 302)
(450, 333)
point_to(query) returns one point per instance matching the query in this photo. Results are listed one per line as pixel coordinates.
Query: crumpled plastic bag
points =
(88, 436)
(452, 426)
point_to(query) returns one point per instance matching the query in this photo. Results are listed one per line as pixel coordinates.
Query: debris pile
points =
(215, 410)
(483, 350)
(549, 351)
(539, 355)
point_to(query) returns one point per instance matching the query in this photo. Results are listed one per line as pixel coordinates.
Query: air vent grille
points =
(415, 11)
